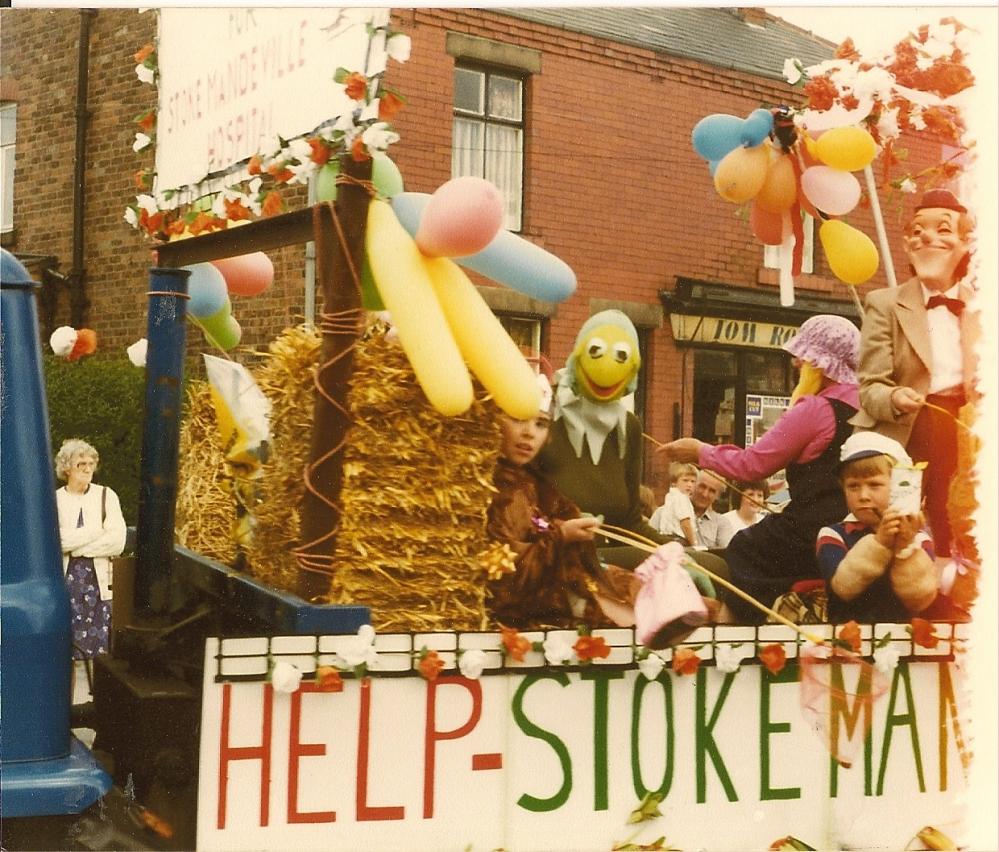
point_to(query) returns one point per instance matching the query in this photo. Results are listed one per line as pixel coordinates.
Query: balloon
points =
(424, 334)
(222, 331)
(509, 259)
(715, 135)
(741, 173)
(385, 175)
(846, 148)
(831, 190)
(246, 274)
(371, 300)
(207, 290)
(461, 218)
(852, 255)
(767, 227)
(326, 181)
(756, 128)
(780, 187)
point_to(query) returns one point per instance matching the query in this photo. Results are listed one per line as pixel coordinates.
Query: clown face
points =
(935, 245)
(606, 362)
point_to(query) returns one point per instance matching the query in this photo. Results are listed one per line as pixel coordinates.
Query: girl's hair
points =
(72, 448)
(869, 466)
(678, 469)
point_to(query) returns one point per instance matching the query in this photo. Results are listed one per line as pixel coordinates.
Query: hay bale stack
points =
(416, 486)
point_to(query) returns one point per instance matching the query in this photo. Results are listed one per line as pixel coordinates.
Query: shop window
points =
(525, 332)
(8, 126)
(771, 254)
(488, 140)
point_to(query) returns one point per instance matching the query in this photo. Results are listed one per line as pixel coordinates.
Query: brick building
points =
(600, 101)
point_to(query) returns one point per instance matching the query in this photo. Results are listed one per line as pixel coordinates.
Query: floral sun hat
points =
(831, 343)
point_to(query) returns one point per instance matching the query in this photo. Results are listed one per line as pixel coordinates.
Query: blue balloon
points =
(509, 259)
(715, 135)
(758, 126)
(713, 166)
(207, 290)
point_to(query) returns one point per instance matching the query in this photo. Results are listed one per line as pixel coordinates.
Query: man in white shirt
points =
(710, 526)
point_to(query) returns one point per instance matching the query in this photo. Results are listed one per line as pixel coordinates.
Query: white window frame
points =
(771, 254)
(535, 323)
(8, 123)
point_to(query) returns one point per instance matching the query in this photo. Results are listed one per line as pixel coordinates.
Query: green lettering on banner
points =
(949, 702)
(601, 680)
(704, 742)
(527, 801)
(641, 683)
(892, 720)
(789, 674)
(838, 708)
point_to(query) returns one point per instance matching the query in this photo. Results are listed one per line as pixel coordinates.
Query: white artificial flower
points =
(345, 123)
(886, 659)
(378, 137)
(62, 340)
(923, 62)
(728, 658)
(302, 171)
(398, 47)
(838, 116)
(300, 149)
(472, 662)
(131, 216)
(916, 118)
(937, 48)
(888, 124)
(908, 185)
(141, 141)
(792, 70)
(558, 651)
(285, 677)
(359, 650)
(147, 203)
(145, 73)
(874, 83)
(651, 666)
(834, 65)
(137, 352)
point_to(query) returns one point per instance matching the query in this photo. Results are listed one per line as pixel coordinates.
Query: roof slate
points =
(716, 36)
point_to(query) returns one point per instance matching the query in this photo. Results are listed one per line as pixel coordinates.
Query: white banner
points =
(230, 78)
(556, 760)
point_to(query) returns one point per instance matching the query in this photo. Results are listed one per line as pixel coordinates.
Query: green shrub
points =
(101, 401)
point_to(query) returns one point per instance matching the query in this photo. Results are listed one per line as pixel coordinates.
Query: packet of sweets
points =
(907, 487)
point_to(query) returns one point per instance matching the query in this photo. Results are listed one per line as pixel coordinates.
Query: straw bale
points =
(416, 486)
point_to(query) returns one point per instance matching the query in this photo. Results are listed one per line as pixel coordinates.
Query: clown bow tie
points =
(955, 306)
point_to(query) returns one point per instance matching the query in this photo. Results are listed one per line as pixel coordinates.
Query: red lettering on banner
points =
(364, 812)
(229, 753)
(296, 751)
(432, 735)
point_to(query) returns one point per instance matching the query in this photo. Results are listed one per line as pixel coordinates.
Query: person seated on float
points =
(878, 562)
(766, 559)
(747, 499)
(675, 516)
(557, 579)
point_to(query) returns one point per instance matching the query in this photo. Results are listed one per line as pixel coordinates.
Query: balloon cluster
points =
(72, 344)
(210, 285)
(782, 172)
(414, 246)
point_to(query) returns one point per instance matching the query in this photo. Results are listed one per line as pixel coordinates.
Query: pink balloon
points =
(246, 274)
(832, 191)
(461, 218)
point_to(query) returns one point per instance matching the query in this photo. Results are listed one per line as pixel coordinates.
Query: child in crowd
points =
(676, 515)
(747, 498)
(877, 562)
(557, 579)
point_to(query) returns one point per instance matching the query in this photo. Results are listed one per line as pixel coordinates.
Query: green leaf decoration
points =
(647, 809)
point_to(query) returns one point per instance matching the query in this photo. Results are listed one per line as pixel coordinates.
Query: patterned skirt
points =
(91, 616)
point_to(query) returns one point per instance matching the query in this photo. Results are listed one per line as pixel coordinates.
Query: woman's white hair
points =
(71, 449)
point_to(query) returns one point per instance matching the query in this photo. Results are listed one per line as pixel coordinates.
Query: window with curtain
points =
(771, 254)
(8, 126)
(488, 139)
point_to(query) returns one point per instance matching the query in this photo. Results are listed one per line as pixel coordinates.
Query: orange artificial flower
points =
(236, 210)
(922, 633)
(320, 151)
(591, 648)
(142, 54)
(430, 665)
(821, 93)
(686, 661)
(356, 85)
(253, 167)
(177, 226)
(142, 179)
(389, 104)
(328, 679)
(151, 224)
(847, 50)
(773, 657)
(272, 203)
(516, 645)
(280, 172)
(147, 121)
(86, 344)
(204, 222)
(358, 151)
(850, 633)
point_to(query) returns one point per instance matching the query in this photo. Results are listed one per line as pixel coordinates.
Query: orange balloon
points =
(767, 227)
(741, 173)
(780, 187)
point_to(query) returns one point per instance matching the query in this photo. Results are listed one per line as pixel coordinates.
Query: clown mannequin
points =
(916, 348)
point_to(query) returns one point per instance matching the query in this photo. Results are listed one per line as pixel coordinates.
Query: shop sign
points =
(695, 328)
(559, 760)
(230, 78)
(761, 413)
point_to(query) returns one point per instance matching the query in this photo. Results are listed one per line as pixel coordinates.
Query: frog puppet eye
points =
(597, 348)
(621, 352)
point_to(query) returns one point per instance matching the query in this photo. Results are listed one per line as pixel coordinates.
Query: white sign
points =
(230, 78)
(556, 760)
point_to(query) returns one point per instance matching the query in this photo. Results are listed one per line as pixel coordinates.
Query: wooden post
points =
(339, 259)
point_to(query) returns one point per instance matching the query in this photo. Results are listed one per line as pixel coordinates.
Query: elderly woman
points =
(766, 558)
(92, 529)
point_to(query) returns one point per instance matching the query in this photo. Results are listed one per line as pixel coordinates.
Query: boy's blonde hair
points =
(678, 469)
(867, 466)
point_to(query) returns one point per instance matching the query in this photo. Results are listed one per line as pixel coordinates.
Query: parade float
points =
(305, 660)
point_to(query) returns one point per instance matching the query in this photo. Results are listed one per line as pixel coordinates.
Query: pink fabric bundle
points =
(668, 603)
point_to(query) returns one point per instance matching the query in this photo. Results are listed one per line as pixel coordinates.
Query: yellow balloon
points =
(852, 254)
(741, 172)
(402, 280)
(780, 188)
(846, 148)
(487, 348)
